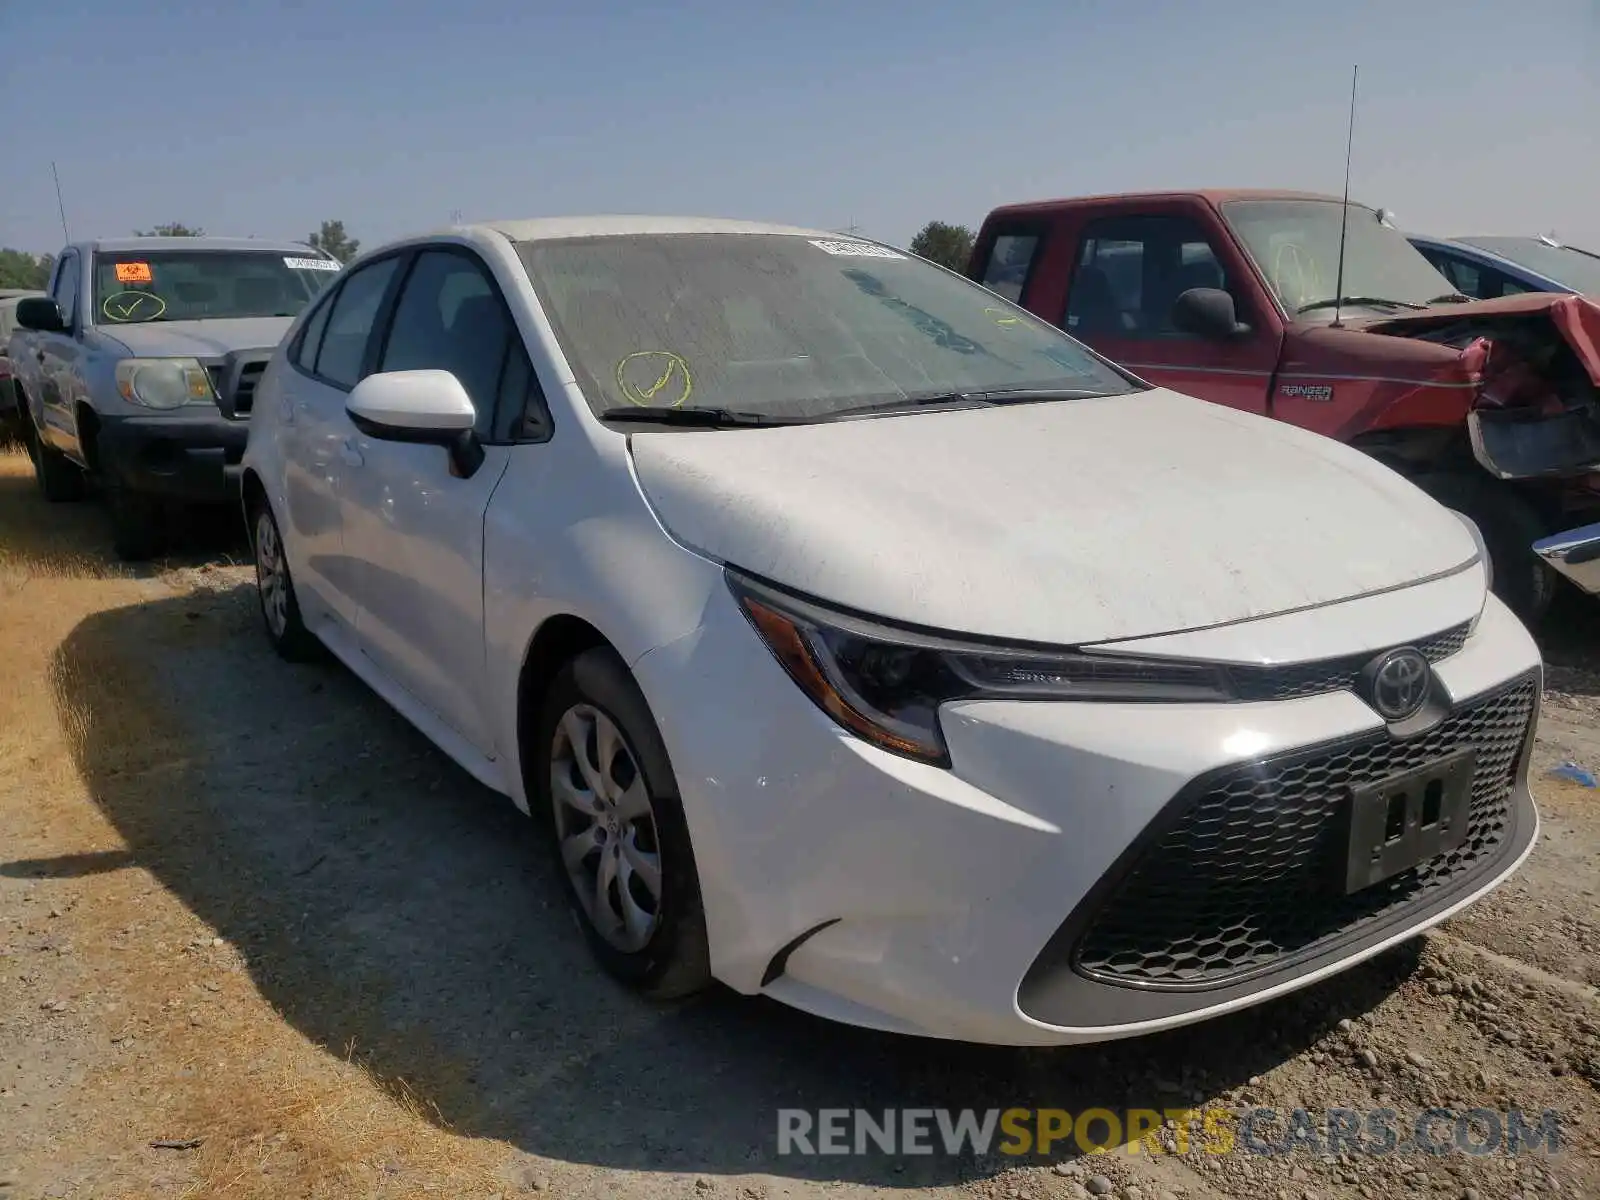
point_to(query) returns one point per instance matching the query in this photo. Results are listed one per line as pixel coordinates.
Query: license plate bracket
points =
(1408, 818)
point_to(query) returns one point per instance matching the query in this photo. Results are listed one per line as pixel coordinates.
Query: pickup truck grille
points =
(244, 394)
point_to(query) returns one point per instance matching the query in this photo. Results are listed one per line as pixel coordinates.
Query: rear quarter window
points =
(1010, 264)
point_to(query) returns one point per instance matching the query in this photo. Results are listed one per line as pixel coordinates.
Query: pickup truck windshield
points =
(1295, 243)
(784, 326)
(1576, 269)
(136, 287)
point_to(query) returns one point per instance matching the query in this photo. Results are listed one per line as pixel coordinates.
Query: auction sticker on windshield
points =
(311, 264)
(134, 272)
(854, 249)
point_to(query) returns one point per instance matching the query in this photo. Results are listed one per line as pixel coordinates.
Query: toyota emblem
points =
(1399, 682)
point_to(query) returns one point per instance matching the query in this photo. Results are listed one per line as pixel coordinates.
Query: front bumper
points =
(866, 888)
(1575, 554)
(188, 458)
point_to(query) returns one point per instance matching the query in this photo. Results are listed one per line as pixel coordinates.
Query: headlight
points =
(1483, 557)
(164, 382)
(886, 685)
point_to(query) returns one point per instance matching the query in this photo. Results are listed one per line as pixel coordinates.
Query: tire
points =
(1510, 525)
(137, 532)
(59, 478)
(280, 609)
(641, 823)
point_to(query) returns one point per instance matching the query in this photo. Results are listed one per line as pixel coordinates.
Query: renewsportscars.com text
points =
(1267, 1131)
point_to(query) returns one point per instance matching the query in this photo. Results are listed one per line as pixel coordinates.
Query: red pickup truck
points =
(1491, 406)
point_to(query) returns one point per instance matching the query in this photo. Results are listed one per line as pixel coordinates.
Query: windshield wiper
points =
(693, 417)
(907, 404)
(1024, 395)
(1451, 298)
(1331, 303)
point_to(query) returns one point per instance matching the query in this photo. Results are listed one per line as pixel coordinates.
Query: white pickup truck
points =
(136, 370)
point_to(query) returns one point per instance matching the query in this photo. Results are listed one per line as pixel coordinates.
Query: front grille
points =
(1250, 876)
(244, 393)
(1329, 674)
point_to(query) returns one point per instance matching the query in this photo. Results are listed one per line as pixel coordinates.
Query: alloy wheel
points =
(271, 575)
(606, 827)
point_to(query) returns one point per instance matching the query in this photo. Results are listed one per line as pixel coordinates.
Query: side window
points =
(305, 356)
(65, 290)
(450, 318)
(520, 412)
(1130, 271)
(1010, 262)
(1464, 276)
(350, 322)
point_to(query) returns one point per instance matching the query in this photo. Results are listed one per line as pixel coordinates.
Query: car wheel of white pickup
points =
(137, 534)
(58, 477)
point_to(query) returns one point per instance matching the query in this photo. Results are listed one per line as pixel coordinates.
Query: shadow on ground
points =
(384, 901)
(73, 539)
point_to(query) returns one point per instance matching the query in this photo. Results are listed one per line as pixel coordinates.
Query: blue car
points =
(1488, 267)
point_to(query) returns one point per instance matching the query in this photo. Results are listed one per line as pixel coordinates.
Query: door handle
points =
(350, 454)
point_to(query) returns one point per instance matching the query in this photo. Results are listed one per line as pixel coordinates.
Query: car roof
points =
(539, 229)
(1213, 196)
(153, 244)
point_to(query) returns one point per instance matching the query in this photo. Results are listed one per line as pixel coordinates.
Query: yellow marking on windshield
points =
(133, 306)
(661, 368)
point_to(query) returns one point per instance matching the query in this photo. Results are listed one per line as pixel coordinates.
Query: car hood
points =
(1072, 522)
(199, 339)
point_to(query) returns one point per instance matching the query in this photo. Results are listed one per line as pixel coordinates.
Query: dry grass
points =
(165, 1034)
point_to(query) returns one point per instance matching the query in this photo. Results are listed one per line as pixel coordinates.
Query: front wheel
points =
(59, 479)
(600, 770)
(137, 530)
(1510, 525)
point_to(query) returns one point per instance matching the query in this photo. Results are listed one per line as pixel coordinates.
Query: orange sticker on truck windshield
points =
(135, 272)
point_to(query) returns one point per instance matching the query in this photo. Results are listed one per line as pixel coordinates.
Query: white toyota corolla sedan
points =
(863, 641)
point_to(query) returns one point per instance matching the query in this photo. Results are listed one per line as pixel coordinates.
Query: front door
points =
(414, 526)
(1129, 270)
(59, 356)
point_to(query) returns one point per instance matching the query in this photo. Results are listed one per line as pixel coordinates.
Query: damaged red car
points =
(1291, 305)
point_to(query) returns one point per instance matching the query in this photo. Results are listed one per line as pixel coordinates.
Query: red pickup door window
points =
(1128, 271)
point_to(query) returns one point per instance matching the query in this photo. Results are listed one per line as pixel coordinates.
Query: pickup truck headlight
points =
(164, 382)
(885, 685)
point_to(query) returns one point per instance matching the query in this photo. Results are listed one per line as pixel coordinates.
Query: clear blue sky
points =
(264, 118)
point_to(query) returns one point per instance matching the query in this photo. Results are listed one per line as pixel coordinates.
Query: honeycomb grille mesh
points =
(1330, 674)
(1252, 872)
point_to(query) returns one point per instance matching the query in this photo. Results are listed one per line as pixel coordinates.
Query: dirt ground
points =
(247, 910)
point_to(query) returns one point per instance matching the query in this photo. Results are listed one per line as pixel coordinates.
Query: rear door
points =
(1129, 265)
(328, 359)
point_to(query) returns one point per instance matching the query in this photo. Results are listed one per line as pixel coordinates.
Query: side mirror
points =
(429, 408)
(41, 314)
(1207, 313)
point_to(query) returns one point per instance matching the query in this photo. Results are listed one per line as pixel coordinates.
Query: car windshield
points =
(1295, 243)
(137, 287)
(788, 327)
(1576, 269)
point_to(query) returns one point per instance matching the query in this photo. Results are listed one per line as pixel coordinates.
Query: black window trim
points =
(378, 347)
